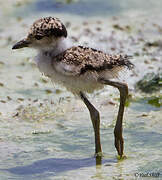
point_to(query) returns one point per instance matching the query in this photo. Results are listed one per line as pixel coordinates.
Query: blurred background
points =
(45, 132)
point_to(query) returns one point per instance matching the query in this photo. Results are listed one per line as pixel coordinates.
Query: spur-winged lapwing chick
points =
(79, 69)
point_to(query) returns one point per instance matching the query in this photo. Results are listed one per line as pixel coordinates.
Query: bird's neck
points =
(56, 47)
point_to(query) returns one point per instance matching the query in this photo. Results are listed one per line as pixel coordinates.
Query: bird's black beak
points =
(21, 44)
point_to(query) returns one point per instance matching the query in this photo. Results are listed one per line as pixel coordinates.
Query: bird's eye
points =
(38, 37)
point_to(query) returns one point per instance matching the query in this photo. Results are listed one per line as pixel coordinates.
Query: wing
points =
(78, 60)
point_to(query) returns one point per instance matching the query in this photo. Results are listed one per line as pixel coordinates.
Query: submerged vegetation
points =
(155, 101)
(150, 83)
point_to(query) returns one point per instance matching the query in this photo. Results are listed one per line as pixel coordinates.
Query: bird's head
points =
(44, 34)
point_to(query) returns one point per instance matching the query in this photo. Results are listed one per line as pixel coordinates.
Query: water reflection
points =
(58, 165)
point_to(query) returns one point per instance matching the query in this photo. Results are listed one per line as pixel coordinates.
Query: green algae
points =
(155, 101)
(151, 82)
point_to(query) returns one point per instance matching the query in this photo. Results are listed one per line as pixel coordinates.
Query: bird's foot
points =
(121, 157)
(119, 142)
(99, 154)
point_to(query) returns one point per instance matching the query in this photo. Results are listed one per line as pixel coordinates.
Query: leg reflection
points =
(98, 160)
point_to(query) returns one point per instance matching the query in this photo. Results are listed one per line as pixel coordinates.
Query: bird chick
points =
(79, 69)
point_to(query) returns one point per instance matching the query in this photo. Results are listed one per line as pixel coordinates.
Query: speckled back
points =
(85, 58)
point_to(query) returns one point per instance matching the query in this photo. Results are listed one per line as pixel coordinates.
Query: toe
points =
(119, 144)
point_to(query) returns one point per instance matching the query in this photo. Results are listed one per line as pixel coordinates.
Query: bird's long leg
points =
(123, 89)
(95, 118)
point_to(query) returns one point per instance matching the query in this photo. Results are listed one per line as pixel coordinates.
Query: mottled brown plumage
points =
(89, 59)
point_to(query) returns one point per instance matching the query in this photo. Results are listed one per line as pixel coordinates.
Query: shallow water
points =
(45, 132)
